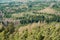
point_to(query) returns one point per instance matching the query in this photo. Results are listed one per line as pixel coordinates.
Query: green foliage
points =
(2, 35)
(49, 31)
(42, 33)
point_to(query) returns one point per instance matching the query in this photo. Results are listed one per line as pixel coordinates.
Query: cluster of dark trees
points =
(41, 18)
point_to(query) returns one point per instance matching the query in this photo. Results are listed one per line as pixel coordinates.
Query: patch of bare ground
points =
(29, 27)
(47, 10)
(32, 26)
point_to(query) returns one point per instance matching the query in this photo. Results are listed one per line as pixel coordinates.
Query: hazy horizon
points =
(24, 0)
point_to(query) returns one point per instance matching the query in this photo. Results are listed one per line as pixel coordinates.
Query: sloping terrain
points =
(40, 31)
(30, 26)
(47, 10)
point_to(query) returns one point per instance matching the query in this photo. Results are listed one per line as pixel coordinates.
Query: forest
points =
(37, 20)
